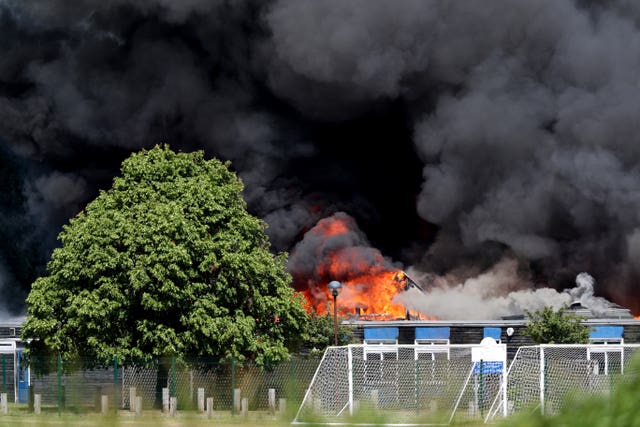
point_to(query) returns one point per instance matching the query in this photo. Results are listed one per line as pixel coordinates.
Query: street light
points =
(335, 287)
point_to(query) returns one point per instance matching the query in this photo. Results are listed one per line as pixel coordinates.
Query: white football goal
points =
(542, 377)
(419, 384)
(436, 383)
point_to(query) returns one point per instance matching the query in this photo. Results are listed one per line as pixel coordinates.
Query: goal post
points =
(415, 384)
(437, 384)
(542, 377)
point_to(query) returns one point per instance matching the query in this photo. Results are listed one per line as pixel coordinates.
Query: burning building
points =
(335, 249)
(375, 288)
(378, 295)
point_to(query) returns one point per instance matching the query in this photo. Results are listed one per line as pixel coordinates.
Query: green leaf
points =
(166, 262)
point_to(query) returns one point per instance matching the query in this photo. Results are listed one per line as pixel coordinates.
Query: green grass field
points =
(184, 419)
(150, 419)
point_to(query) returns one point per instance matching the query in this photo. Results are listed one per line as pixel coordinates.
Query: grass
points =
(156, 420)
(18, 416)
(147, 419)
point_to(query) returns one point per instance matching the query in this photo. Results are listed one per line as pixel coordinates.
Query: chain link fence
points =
(441, 384)
(434, 383)
(75, 388)
(410, 384)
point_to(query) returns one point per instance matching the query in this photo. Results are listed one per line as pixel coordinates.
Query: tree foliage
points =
(166, 262)
(548, 326)
(319, 333)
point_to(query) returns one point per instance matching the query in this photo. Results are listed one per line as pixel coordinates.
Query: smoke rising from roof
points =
(456, 134)
(498, 292)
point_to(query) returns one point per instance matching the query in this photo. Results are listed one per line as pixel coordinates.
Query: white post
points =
(375, 398)
(165, 399)
(307, 394)
(104, 404)
(209, 407)
(473, 407)
(542, 379)
(505, 382)
(173, 406)
(271, 398)
(4, 408)
(282, 405)
(350, 375)
(37, 403)
(236, 401)
(138, 406)
(132, 399)
(200, 399)
(245, 406)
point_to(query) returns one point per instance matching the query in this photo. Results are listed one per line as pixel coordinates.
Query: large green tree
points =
(166, 262)
(549, 326)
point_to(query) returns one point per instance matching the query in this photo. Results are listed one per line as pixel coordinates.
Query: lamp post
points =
(335, 287)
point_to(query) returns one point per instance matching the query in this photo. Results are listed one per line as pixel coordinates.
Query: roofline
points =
(501, 322)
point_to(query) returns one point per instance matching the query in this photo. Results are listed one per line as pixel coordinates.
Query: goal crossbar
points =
(415, 384)
(437, 384)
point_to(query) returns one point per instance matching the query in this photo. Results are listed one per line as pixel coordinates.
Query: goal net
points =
(404, 384)
(542, 377)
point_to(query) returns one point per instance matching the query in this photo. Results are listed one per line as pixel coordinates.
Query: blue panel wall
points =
(386, 333)
(433, 333)
(493, 333)
(606, 332)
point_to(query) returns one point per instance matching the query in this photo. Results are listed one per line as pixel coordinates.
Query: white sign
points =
(489, 351)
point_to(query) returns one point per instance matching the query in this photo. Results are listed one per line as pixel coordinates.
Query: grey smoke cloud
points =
(499, 291)
(56, 190)
(54, 14)
(51, 199)
(521, 116)
(533, 146)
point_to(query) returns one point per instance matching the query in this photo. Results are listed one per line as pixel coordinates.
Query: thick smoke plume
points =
(456, 134)
(498, 292)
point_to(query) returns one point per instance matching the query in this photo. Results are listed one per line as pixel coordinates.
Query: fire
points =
(332, 228)
(336, 250)
(370, 294)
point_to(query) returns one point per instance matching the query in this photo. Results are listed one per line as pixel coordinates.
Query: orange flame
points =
(368, 282)
(370, 293)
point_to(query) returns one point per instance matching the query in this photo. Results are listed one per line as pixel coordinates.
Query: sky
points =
(458, 136)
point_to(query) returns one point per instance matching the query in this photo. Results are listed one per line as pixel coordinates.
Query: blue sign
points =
(22, 378)
(486, 368)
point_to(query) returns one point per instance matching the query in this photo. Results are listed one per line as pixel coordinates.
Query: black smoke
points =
(455, 133)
